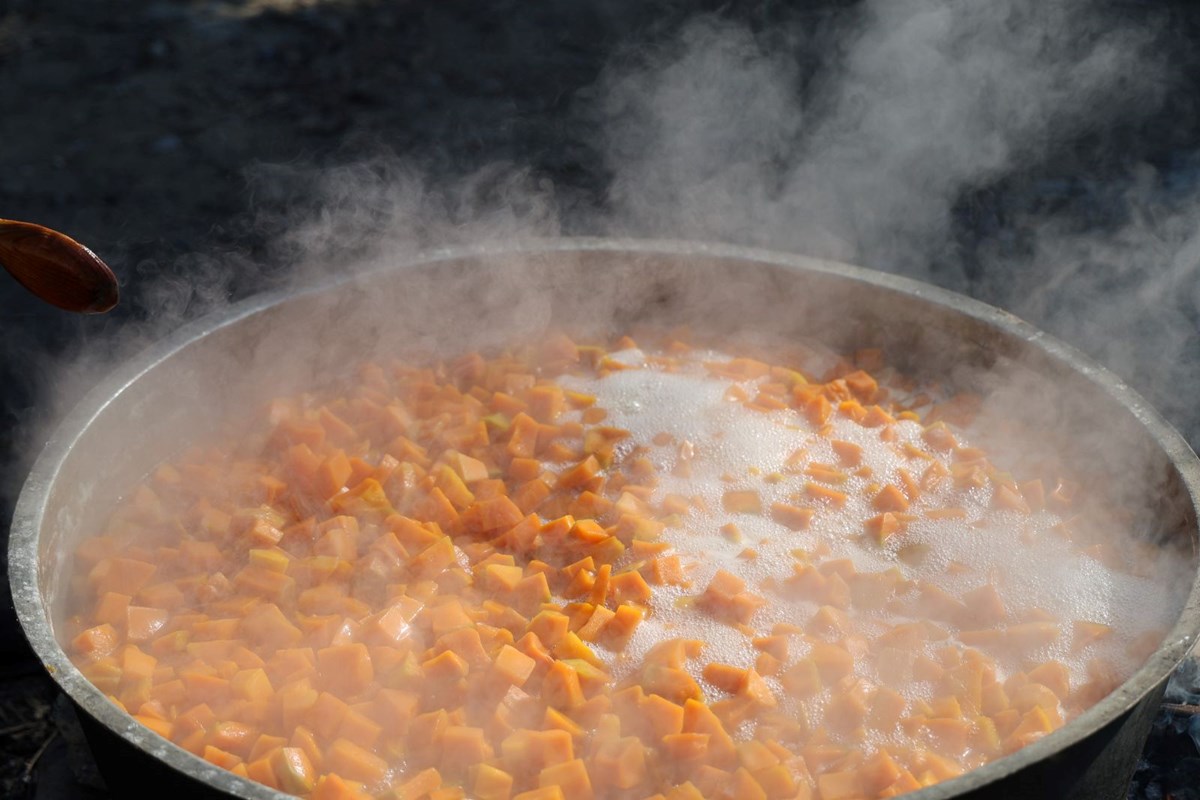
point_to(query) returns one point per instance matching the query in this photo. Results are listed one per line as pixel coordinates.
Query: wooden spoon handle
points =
(57, 268)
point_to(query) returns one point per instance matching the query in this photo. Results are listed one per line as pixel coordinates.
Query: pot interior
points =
(192, 386)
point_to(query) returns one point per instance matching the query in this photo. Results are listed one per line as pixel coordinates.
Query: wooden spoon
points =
(57, 268)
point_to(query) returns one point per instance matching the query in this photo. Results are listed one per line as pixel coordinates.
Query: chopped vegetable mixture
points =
(570, 571)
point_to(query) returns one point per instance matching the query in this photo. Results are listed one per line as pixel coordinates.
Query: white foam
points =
(736, 447)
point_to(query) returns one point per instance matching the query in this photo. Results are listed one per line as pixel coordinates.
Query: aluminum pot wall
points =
(212, 371)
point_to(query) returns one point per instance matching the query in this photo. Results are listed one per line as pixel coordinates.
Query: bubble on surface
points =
(735, 447)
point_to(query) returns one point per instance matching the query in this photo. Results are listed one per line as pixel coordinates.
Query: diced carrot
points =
(832, 662)
(561, 688)
(269, 584)
(554, 719)
(826, 473)
(526, 750)
(570, 777)
(396, 708)
(293, 770)
(346, 668)
(629, 586)
(939, 437)
(121, 575)
(724, 585)
(261, 771)
(463, 747)
(839, 785)
(742, 502)
(793, 517)
(166, 595)
(522, 442)
(778, 782)
(348, 759)
(171, 692)
(1034, 493)
(215, 755)
(531, 592)
(550, 627)
(726, 600)
(111, 608)
(823, 493)
(491, 515)
(453, 487)
(890, 498)
(985, 605)
(544, 793)
(622, 762)
(266, 745)
(466, 644)
(447, 666)
(434, 559)
(162, 727)
(96, 642)
(621, 627)
(745, 786)
(687, 746)
(599, 617)
(360, 729)
(492, 783)
(661, 715)
(501, 577)
(725, 677)
(883, 526)
(699, 718)
(862, 385)
(137, 665)
(233, 737)
(331, 475)
(580, 474)
(469, 469)
(755, 756)
(333, 787)
(514, 666)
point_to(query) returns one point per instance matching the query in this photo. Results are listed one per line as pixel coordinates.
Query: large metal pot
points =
(182, 388)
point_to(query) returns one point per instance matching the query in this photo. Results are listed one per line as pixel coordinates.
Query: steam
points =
(856, 135)
(1129, 296)
(728, 133)
(385, 209)
(316, 226)
(857, 138)
(718, 134)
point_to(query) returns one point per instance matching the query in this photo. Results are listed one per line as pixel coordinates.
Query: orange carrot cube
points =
(96, 642)
(742, 502)
(513, 665)
(492, 783)
(356, 763)
(570, 777)
(294, 770)
(792, 517)
(346, 668)
(419, 785)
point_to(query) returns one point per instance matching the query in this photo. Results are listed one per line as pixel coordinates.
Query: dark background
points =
(137, 127)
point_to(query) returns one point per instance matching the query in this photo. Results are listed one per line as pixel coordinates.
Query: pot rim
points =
(31, 504)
